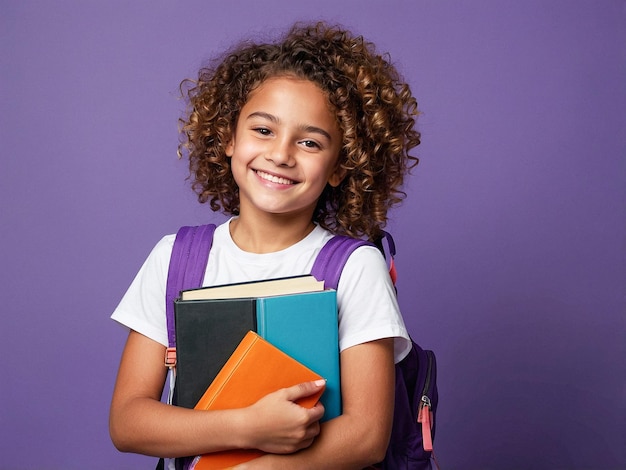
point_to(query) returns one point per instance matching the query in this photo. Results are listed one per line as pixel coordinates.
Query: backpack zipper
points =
(425, 399)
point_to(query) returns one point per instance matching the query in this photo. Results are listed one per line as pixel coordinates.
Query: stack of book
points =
(237, 343)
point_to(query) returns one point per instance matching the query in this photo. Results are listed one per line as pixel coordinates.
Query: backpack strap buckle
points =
(170, 358)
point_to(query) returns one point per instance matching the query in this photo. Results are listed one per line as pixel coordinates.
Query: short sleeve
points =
(142, 308)
(368, 307)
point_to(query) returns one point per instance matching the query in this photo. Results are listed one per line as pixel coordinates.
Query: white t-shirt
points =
(368, 309)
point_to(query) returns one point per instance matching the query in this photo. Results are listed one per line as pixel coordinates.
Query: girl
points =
(296, 140)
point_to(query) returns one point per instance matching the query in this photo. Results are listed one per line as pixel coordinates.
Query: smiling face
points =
(285, 148)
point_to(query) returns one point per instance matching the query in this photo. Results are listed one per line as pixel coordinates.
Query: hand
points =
(279, 425)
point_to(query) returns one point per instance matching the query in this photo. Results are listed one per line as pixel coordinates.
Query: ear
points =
(337, 176)
(229, 150)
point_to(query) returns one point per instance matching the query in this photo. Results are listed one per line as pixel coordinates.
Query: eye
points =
(311, 144)
(262, 130)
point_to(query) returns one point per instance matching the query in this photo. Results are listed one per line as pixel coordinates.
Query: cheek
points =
(244, 150)
(319, 180)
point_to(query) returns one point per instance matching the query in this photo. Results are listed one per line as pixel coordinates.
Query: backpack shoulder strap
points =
(190, 255)
(334, 254)
(332, 258)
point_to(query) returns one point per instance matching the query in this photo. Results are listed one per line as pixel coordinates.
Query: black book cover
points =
(207, 333)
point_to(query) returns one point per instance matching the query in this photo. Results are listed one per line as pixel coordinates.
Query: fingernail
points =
(320, 382)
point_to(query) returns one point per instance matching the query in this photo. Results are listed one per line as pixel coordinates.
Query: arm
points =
(359, 437)
(140, 423)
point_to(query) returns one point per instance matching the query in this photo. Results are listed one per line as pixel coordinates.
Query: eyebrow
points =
(276, 120)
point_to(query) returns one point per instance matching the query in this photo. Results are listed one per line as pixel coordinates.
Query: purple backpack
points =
(410, 446)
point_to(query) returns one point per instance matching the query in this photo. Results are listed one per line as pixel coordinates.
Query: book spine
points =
(261, 318)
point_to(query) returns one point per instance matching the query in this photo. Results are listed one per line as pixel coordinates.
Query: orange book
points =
(255, 369)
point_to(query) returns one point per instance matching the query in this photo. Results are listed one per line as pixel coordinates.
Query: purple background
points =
(511, 243)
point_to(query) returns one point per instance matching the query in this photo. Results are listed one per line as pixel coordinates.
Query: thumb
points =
(305, 389)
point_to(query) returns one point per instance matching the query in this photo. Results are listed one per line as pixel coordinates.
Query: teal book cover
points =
(305, 326)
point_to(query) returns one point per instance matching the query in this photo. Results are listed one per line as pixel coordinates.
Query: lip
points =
(274, 178)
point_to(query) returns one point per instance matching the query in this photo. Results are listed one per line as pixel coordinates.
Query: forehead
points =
(291, 83)
(290, 97)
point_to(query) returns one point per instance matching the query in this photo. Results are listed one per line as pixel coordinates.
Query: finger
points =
(312, 432)
(316, 413)
(304, 389)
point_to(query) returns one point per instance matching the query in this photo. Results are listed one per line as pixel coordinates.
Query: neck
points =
(273, 234)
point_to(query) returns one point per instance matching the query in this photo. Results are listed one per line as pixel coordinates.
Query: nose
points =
(281, 153)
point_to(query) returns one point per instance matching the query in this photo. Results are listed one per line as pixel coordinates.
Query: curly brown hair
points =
(375, 111)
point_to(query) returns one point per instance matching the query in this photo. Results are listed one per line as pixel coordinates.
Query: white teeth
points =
(274, 179)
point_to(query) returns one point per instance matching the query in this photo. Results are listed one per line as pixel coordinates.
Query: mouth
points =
(274, 178)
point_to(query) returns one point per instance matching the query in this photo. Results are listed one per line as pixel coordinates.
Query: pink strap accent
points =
(424, 417)
(170, 357)
(392, 271)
